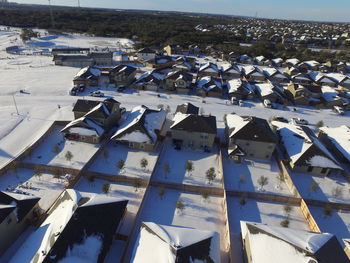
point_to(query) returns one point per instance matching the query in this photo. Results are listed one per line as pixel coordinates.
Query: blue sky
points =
(321, 10)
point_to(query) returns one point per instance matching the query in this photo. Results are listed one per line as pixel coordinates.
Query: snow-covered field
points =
(176, 159)
(107, 161)
(338, 223)
(46, 153)
(198, 213)
(46, 186)
(333, 188)
(245, 176)
(261, 212)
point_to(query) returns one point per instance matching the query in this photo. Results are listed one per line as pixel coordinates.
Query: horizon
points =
(325, 12)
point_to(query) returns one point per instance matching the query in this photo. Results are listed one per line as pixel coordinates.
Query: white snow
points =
(87, 252)
(340, 137)
(83, 131)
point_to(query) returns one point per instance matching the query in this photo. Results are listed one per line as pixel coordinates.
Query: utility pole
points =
(14, 101)
(51, 15)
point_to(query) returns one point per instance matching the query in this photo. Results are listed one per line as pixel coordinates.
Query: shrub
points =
(69, 156)
(285, 223)
(319, 124)
(143, 163)
(180, 206)
(210, 174)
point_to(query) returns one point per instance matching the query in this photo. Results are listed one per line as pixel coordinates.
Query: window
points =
(324, 170)
(204, 135)
(309, 169)
(131, 144)
(142, 146)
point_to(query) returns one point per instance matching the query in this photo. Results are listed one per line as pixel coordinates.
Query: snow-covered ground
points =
(46, 186)
(198, 213)
(107, 161)
(176, 159)
(333, 188)
(123, 191)
(244, 176)
(338, 223)
(261, 212)
(45, 153)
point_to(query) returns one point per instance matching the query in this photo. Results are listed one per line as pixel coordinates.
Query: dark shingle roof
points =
(87, 105)
(196, 123)
(24, 203)
(187, 108)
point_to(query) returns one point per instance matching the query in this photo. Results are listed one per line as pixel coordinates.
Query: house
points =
(277, 62)
(292, 62)
(331, 97)
(102, 58)
(172, 244)
(341, 79)
(56, 51)
(249, 136)
(122, 75)
(149, 81)
(322, 79)
(73, 60)
(17, 211)
(311, 65)
(84, 129)
(268, 91)
(161, 62)
(80, 227)
(298, 94)
(187, 108)
(275, 76)
(252, 73)
(141, 128)
(194, 131)
(266, 243)
(337, 141)
(194, 49)
(180, 81)
(304, 152)
(146, 54)
(186, 63)
(291, 71)
(209, 86)
(302, 79)
(172, 49)
(240, 89)
(260, 60)
(87, 77)
(229, 71)
(107, 112)
(245, 59)
(209, 69)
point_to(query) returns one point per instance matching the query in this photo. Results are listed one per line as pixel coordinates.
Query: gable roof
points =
(211, 67)
(209, 83)
(77, 219)
(175, 244)
(128, 70)
(303, 147)
(179, 74)
(187, 108)
(141, 125)
(269, 243)
(194, 123)
(88, 73)
(85, 127)
(250, 128)
(19, 203)
(87, 105)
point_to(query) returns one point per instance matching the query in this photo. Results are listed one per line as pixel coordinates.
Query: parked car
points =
(234, 101)
(96, 93)
(267, 103)
(121, 89)
(338, 110)
(299, 121)
(73, 91)
(280, 119)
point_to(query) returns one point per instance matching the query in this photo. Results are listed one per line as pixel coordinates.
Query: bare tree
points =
(106, 188)
(161, 192)
(210, 175)
(121, 165)
(180, 206)
(143, 163)
(69, 156)
(262, 181)
(189, 167)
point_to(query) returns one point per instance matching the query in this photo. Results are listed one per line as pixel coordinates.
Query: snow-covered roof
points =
(272, 243)
(209, 67)
(84, 126)
(168, 242)
(299, 140)
(329, 93)
(40, 242)
(150, 120)
(89, 70)
(208, 83)
(265, 89)
(293, 61)
(340, 137)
